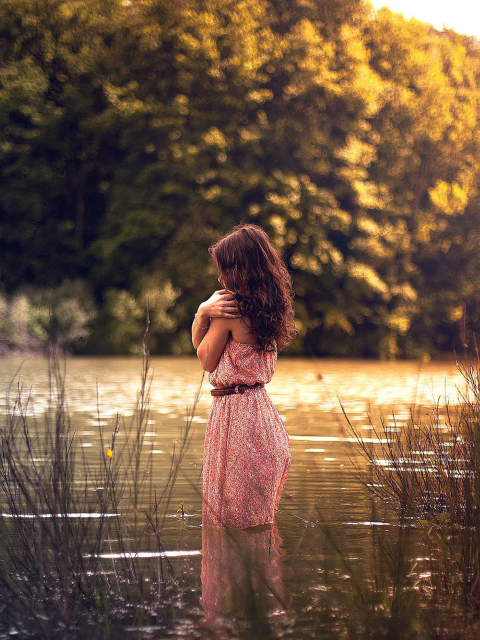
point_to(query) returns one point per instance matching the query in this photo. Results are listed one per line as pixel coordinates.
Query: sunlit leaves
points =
(134, 133)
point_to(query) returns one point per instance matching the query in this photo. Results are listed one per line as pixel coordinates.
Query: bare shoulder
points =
(222, 323)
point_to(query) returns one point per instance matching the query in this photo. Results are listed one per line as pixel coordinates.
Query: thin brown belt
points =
(238, 388)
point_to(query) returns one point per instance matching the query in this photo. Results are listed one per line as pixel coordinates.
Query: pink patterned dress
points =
(247, 453)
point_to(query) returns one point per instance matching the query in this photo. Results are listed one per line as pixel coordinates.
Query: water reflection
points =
(243, 577)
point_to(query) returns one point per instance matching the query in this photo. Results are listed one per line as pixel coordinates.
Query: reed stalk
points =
(426, 473)
(60, 513)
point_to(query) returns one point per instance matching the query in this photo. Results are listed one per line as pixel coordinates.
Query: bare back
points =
(241, 330)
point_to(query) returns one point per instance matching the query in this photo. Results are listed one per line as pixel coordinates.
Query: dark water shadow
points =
(243, 582)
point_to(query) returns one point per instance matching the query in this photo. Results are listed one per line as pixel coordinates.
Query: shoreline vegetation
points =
(134, 133)
(70, 565)
(35, 322)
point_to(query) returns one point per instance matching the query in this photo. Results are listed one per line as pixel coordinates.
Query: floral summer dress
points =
(247, 452)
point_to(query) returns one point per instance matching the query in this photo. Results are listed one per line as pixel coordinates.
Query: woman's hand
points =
(221, 304)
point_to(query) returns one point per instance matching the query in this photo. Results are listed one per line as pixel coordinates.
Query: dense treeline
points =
(133, 133)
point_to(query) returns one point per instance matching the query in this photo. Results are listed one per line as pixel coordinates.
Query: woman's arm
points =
(221, 304)
(214, 342)
(197, 332)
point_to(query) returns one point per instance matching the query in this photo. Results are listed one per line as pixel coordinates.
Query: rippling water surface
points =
(309, 395)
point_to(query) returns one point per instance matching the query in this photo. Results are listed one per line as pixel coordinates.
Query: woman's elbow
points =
(206, 366)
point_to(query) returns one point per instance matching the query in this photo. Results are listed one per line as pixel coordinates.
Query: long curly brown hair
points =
(250, 266)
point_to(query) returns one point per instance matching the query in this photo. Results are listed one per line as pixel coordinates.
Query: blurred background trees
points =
(134, 133)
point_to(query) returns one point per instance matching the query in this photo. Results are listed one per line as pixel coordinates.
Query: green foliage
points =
(133, 134)
(35, 318)
(120, 325)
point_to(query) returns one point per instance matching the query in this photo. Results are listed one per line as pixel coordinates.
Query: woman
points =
(236, 333)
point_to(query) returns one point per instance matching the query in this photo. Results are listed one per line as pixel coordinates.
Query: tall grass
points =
(61, 512)
(426, 475)
(418, 573)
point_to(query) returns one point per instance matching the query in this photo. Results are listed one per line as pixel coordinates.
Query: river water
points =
(311, 396)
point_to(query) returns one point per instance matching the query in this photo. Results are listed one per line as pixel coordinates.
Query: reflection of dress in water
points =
(243, 575)
(247, 453)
